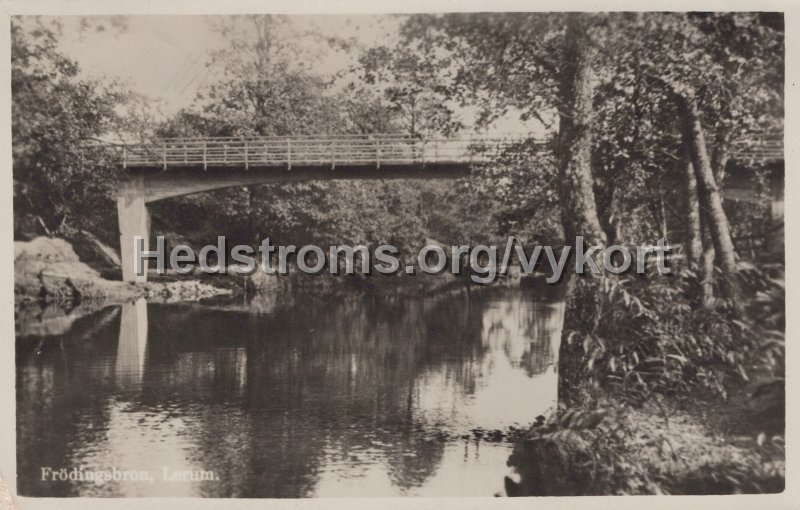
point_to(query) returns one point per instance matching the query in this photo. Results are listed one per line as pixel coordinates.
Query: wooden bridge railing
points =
(357, 150)
(372, 150)
(758, 147)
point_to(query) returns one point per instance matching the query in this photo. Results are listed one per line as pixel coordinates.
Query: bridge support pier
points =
(134, 221)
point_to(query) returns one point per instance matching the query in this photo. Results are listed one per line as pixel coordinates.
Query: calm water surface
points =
(352, 397)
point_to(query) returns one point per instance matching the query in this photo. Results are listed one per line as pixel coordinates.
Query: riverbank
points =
(54, 286)
(48, 271)
(662, 447)
(657, 396)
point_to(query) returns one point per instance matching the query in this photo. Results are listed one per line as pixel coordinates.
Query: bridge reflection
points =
(132, 346)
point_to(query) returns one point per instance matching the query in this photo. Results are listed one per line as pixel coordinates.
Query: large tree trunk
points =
(707, 266)
(578, 208)
(719, 162)
(609, 206)
(611, 221)
(721, 154)
(710, 199)
(694, 240)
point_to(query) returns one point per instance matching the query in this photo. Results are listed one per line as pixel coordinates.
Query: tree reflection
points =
(299, 401)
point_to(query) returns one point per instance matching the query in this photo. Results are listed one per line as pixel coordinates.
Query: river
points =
(347, 396)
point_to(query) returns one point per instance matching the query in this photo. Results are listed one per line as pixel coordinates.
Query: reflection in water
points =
(360, 397)
(132, 345)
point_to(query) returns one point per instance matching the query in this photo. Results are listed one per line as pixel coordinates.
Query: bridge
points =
(179, 166)
(191, 165)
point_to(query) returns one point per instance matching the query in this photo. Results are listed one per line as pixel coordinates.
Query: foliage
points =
(412, 87)
(510, 63)
(495, 65)
(264, 91)
(54, 112)
(644, 336)
(617, 450)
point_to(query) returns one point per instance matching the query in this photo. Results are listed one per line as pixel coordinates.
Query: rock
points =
(47, 270)
(44, 249)
(182, 290)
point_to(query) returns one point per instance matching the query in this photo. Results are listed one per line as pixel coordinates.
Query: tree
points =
(707, 190)
(722, 72)
(412, 87)
(538, 65)
(54, 114)
(576, 114)
(263, 90)
(668, 89)
(694, 239)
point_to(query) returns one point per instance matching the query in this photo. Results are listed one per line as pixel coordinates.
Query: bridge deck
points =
(758, 147)
(358, 151)
(307, 151)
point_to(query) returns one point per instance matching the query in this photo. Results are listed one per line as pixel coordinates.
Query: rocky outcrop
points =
(48, 271)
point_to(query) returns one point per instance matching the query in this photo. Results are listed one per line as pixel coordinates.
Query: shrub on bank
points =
(645, 334)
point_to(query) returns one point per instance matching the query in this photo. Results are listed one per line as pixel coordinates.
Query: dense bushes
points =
(630, 451)
(643, 334)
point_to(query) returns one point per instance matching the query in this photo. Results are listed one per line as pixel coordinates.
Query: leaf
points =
(742, 372)
(681, 359)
